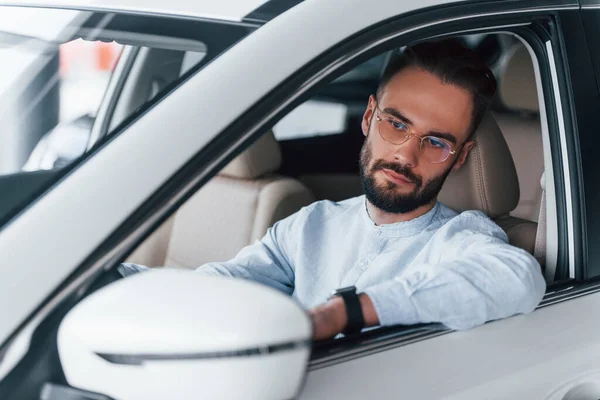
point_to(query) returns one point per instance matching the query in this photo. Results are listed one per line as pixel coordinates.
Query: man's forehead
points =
(429, 103)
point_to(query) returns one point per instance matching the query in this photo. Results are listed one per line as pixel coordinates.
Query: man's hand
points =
(330, 318)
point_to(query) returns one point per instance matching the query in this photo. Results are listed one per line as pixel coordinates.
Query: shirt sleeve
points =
(488, 279)
(267, 261)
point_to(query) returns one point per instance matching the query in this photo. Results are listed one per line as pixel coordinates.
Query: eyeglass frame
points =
(411, 133)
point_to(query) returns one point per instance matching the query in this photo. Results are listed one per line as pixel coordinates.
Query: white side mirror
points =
(169, 334)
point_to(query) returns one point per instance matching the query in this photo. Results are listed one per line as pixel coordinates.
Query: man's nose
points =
(408, 152)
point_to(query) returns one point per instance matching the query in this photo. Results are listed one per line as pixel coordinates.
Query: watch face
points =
(346, 289)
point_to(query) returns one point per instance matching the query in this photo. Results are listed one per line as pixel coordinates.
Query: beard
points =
(385, 196)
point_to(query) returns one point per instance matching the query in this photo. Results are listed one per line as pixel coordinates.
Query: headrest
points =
(261, 158)
(488, 179)
(518, 89)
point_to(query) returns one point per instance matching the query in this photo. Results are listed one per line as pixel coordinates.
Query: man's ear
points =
(462, 157)
(368, 115)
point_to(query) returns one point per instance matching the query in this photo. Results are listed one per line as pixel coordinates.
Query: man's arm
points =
(490, 280)
(265, 261)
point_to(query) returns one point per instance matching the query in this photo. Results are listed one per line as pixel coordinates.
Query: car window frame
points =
(571, 283)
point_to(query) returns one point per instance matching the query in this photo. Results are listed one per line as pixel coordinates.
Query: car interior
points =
(285, 170)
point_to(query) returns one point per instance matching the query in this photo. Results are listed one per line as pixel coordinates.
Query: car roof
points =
(226, 10)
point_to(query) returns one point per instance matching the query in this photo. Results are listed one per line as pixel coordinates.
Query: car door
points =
(132, 193)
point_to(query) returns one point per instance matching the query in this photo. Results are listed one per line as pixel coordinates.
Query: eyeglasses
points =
(394, 131)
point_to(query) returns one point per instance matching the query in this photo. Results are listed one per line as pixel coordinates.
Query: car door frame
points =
(245, 138)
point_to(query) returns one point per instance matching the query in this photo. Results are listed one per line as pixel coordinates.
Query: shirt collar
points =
(406, 228)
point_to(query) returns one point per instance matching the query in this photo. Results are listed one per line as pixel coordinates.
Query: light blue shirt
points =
(455, 269)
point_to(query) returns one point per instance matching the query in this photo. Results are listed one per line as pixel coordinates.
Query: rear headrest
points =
(518, 89)
(261, 158)
(488, 180)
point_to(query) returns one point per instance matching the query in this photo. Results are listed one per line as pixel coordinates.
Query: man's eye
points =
(399, 126)
(435, 142)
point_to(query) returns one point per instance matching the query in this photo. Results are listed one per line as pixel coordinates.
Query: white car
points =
(181, 167)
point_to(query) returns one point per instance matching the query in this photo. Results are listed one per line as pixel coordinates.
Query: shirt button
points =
(378, 231)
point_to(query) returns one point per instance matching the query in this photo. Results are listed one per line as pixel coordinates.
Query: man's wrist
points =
(338, 313)
(336, 309)
(353, 311)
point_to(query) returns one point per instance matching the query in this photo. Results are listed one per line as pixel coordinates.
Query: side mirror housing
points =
(172, 334)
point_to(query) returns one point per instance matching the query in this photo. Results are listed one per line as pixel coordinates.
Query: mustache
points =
(399, 169)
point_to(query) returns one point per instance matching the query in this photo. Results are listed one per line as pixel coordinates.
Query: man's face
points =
(397, 178)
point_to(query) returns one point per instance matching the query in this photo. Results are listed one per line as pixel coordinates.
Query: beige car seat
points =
(488, 182)
(522, 128)
(231, 211)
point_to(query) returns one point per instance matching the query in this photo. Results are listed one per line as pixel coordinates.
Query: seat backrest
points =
(488, 182)
(521, 127)
(231, 211)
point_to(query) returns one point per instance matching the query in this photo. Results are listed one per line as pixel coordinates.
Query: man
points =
(402, 257)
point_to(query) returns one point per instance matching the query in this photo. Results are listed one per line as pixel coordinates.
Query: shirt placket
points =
(370, 249)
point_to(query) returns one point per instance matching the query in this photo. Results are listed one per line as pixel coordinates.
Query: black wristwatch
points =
(354, 312)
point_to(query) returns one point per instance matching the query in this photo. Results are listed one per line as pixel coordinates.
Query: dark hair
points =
(453, 63)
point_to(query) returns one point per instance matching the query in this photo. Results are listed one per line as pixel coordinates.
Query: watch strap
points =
(355, 320)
